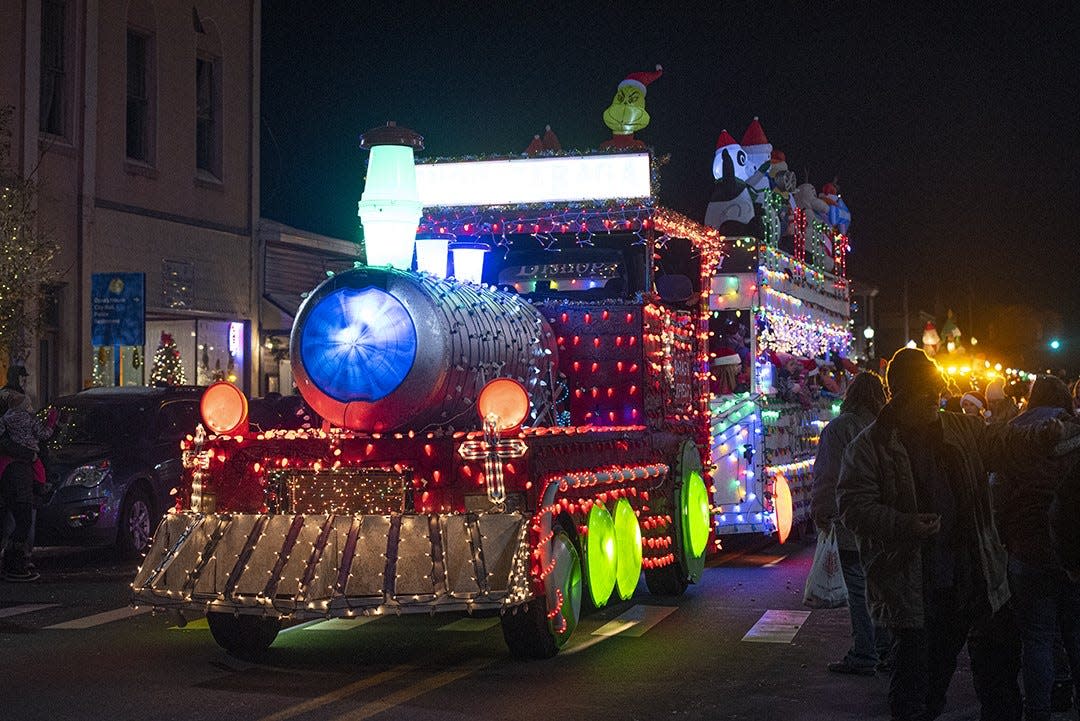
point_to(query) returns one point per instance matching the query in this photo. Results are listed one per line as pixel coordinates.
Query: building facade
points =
(139, 120)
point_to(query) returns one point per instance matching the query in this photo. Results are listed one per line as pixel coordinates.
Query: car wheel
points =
(244, 637)
(136, 524)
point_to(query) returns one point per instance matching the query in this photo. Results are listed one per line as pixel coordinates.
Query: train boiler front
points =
(379, 350)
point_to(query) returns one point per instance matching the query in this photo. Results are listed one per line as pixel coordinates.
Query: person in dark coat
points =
(864, 398)
(913, 489)
(20, 433)
(1046, 602)
(13, 385)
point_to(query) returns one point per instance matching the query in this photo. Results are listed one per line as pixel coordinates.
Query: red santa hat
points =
(551, 140)
(828, 189)
(726, 357)
(725, 140)
(778, 157)
(755, 134)
(640, 80)
(535, 147)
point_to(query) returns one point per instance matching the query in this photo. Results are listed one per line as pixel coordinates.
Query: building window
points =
(138, 97)
(208, 116)
(52, 117)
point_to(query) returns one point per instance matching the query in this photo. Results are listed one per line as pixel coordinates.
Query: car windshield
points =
(95, 424)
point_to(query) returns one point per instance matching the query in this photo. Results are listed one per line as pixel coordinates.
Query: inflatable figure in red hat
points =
(730, 201)
(626, 115)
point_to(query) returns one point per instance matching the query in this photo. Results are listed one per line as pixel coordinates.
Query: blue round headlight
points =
(358, 345)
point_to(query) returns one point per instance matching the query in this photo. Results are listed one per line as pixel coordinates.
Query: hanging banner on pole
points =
(118, 309)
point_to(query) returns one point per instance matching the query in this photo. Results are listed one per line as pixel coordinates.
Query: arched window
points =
(207, 98)
(141, 95)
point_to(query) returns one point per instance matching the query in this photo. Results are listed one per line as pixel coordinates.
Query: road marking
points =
(418, 688)
(636, 621)
(471, 624)
(339, 694)
(299, 626)
(777, 626)
(340, 624)
(776, 562)
(576, 646)
(25, 608)
(99, 619)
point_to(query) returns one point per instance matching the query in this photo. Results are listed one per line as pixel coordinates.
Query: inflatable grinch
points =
(626, 115)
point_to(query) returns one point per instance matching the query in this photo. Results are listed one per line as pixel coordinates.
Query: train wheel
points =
(245, 637)
(538, 629)
(627, 549)
(692, 518)
(600, 555)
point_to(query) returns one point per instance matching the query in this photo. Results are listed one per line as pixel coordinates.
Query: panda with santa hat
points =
(730, 209)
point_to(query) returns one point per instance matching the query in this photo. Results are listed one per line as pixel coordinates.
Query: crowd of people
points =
(956, 516)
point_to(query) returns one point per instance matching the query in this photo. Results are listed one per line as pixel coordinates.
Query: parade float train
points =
(529, 443)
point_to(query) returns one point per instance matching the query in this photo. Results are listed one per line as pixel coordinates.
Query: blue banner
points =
(118, 309)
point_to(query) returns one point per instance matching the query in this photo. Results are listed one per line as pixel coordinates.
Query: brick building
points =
(140, 120)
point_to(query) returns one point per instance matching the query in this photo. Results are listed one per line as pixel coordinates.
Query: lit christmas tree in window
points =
(167, 369)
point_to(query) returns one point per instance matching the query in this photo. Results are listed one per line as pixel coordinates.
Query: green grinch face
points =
(626, 114)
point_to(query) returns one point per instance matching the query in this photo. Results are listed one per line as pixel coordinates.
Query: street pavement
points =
(71, 648)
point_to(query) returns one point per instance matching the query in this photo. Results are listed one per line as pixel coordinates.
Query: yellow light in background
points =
(951, 370)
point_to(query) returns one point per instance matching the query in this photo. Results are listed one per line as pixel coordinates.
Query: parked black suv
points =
(112, 463)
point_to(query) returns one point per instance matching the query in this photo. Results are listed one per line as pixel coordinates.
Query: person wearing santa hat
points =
(626, 115)
(725, 371)
(973, 404)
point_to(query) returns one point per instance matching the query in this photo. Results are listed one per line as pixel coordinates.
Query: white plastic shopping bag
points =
(825, 585)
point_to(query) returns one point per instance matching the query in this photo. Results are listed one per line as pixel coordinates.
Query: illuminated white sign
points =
(534, 180)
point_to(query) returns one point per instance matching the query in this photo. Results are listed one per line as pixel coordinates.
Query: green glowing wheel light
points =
(563, 589)
(695, 514)
(627, 549)
(600, 554)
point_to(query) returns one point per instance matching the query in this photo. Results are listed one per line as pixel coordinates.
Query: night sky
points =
(954, 136)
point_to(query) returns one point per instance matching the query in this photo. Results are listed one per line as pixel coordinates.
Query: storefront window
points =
(106, 371)
(177, 352)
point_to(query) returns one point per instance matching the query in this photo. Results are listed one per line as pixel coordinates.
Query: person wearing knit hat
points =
(995, 390)
(1000, 407)
(626, 115)
(913, 489)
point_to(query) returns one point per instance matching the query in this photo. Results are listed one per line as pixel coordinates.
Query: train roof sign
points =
(523, 181)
